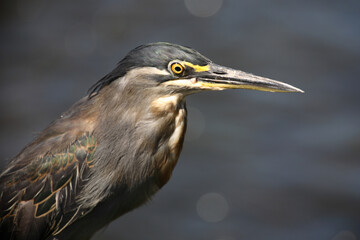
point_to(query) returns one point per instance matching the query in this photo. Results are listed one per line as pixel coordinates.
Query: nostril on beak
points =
(219, 73)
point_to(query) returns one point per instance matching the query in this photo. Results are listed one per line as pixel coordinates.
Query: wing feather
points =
(46, 188)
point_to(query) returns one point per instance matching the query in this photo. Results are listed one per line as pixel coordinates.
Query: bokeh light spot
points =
(212, 207)
(203, 8)
(344, 235)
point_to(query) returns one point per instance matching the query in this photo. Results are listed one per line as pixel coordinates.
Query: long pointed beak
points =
(219, 78)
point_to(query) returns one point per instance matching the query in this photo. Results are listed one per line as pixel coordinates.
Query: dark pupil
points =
(177, 69)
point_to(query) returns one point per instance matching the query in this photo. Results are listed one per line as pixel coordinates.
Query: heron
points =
(113, 149)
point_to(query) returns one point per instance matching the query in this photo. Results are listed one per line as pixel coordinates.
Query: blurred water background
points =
(255, 165)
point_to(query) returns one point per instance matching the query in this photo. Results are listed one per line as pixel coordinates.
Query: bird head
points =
(179, 69)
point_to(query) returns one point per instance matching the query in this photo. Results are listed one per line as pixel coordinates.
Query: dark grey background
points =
(286, 165)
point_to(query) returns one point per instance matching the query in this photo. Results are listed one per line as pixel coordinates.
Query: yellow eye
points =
(177, 68)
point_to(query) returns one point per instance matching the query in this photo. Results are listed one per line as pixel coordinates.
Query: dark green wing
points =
(40, 196)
